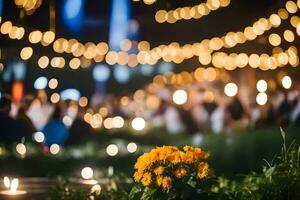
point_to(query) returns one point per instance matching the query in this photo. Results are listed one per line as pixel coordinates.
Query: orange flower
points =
(202, 170)
(146, 180)
(159, 170)
(180, 173)
(166, 183)
(159, 180)
(137, 176)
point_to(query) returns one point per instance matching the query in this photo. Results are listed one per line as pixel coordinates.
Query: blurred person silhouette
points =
(40, 110)
(25, 123)
(80, 129)
(55, 131)
(9, 128)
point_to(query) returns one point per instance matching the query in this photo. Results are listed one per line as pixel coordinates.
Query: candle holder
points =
(12, 191)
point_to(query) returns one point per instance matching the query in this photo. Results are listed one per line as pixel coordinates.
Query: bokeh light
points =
(286, 82)
(21, 149)
(261, 86)
(262, 98)
(138, 123)
(230, 89)
(131, 147)
(180, 97)
(112, 150)
(87, 173)
(39, 137)
(54, 149)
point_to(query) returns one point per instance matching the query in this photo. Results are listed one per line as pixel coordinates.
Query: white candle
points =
(12, 187)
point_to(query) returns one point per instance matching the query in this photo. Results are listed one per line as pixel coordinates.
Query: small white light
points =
(131, 147)
(231, 89)
(54, 149)
(39, 137)
(117, 122)
(67, 120)
(87, 173)
(112, 150)
(262, 98)
(179, 97)
(261, 86)
(287, 82)
(138, 123)
(21, 149)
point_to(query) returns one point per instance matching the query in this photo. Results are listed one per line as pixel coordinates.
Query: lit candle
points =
(12, 188)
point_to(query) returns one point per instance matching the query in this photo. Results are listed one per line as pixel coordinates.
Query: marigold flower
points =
(137, 176)
(202, 170)
(167, 183)
(159, 170)
(146, 180)
(180, 173)
(159, 180)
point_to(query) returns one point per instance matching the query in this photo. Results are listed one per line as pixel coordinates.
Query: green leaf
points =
(135, 192)
(148, 193)
(192, 182)
(269, 172)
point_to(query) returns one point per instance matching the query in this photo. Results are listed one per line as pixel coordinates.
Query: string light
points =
(53, 83)
(174, 52)
(26, 53)
(43, 62)
(187, 13)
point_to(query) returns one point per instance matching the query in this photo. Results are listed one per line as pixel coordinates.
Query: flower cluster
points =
(164, 166)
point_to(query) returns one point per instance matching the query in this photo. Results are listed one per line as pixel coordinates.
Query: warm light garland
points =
(84, 53)
(187, 13)
(147, 2)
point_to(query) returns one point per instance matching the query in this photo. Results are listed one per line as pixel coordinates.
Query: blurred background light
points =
(71, 94)
(101, 73)
(131, 147)
(54, 149)
(121, 73)
(138, 123)
(112, 150)
(262, 98)
(287, 82)
(180, 97)
(119, 23)
(261, 86)
(231, 89)
(73, 11)
(87, 173)
(40, 83)
(39, 137)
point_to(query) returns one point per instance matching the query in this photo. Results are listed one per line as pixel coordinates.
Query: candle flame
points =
(14, 185)
(6, 182)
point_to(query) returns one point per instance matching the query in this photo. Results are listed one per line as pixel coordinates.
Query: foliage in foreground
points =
(279, 180)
